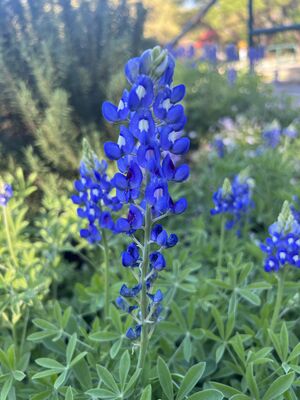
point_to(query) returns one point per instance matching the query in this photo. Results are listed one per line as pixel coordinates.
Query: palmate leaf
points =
(147, 393)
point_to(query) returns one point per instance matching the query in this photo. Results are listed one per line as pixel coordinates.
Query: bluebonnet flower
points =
(256, 53)
(234, 199)
(283, 245)
(219, 145)
(290, 131)
(93, 197)
(210, 54)
(151, 142)
(272, 135)
(231, 76)
(6, 193)
(232, 53)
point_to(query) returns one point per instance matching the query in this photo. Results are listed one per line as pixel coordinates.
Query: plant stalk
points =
(144, 299)
(106, 275)
(8, 237)
(279, 297)
(221, 247)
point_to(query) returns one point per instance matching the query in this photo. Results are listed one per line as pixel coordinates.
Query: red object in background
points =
(208, 36)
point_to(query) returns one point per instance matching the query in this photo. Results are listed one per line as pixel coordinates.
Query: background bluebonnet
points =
(234, 199)
(93, 197)
(283, 245)
(6, 193)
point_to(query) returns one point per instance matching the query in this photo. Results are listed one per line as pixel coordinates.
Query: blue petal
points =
(181, 146)
(112, 150)
(178, 93)
(182, 173)
(110, 112)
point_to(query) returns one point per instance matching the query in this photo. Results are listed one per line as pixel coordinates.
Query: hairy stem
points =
(278, 303)
(8, 237)
(106, 275)
(144, 299)
(221, 247)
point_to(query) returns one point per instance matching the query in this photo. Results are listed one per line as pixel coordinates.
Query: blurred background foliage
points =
(60, 59)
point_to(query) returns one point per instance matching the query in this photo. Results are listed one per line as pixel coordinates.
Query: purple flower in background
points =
(231, 76)
(232, 53)
(272, 135)
(6, 193)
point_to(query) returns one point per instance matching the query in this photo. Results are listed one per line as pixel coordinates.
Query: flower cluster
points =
(151, 141)
(283, 245)
(94, 198)
(273, 133)
(6, 193)
(234, 199)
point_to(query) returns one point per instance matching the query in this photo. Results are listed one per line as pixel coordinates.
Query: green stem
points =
(221, 247)
(144, 299)
(279, 296)
(8, 238)
(106, 275)
(24, 332)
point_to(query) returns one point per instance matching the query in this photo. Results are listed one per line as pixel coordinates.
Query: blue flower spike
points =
(94, 196)
(6, 193)
(282, 247)
(148, 157)
(234, 199)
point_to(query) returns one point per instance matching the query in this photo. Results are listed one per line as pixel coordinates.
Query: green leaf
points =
(187, 348)
(208, 394)
(107, 379)
(284, 341)
(78, 358)
(220, 351)
(49, 363)
(82, 373)
(44, 374)
(190, 380)
(240, 397)
(276, 343)
(115, 348)
(219, 322)
(45, 325)
(39, 336)
(295, 352)
(60, 380)
(42, 395)
(101, 394)
(147, 393)
(11, 357)
(66, 317)
(4, 359)
(132, 381)
(18, 375)
(6, 388)
(104, 336)
(250, 296)
(69, 394)
(226, 390)
(165, 378)
(71, 347)
(279, 386)
(124, 368)
(251, 381)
